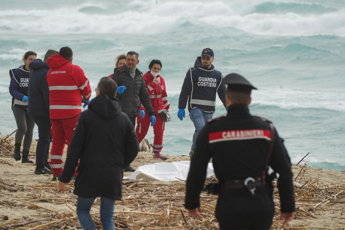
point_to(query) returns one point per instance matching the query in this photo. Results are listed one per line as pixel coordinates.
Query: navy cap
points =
(238, 83)
(207, 52)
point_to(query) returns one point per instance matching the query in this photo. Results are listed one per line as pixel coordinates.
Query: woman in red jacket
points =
(155, 86)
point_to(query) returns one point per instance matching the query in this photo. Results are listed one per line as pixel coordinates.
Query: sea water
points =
(292, 51)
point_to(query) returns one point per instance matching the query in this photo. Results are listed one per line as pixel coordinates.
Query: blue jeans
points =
(199, 119)
(107, 211)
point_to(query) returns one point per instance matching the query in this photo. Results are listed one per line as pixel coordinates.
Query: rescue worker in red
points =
(155, 86)
(68, 88)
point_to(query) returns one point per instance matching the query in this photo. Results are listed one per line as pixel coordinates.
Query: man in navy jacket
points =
(199, 88)
(38, 109)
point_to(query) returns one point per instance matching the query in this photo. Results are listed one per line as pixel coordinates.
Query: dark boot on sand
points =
(17, 151)
(55, 178)
(40, 169)
(47, 165)
(25, 158)
(129, 169)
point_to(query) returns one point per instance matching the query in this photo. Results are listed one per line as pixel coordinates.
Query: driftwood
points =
(152, 205)
(25, 223)
(6, 147)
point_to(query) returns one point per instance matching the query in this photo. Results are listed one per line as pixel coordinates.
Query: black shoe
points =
(129, 169)
(41, 170)
(47, 165)
(48, 170)
(16, 154)
(25, 158)
(56, 178)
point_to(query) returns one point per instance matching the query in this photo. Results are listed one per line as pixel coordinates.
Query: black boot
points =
(55, 178)
(129, 169)
(25, 158)
(40, 169)
(47, 165)
(17, 151)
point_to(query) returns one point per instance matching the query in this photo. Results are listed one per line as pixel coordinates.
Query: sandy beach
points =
(26, 197)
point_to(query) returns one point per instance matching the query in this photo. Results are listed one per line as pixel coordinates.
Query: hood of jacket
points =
(105, 106)
(56, 61)
(198, 64)
(38, 64)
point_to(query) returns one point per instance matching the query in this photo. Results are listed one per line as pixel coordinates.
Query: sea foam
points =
(152, 17)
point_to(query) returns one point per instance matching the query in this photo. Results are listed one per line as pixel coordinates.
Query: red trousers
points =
(143, 126)
(62, 131)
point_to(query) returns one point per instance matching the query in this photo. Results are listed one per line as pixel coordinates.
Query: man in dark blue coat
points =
(199, 88)
(38, 109)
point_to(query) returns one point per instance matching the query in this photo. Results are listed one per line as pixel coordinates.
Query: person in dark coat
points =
(242, 147)
(19, 90)
(132, 88)
(105, 142)
(38, 109)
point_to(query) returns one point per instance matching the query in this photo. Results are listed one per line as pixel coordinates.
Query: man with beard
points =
(131, 88)
(200, 87)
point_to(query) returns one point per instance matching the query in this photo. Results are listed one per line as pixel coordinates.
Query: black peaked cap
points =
(236, 80)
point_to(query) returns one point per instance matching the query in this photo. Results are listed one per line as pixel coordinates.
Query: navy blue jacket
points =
(19, 85)
(200, 87)
(38, 89)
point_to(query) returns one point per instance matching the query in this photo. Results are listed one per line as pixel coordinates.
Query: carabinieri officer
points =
(242, 148)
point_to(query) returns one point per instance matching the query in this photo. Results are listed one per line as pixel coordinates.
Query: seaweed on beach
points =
(153, 204)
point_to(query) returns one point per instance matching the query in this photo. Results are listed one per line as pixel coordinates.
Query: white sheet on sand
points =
(163, 171)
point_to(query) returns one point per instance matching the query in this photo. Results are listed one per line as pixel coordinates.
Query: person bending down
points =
(105, 142)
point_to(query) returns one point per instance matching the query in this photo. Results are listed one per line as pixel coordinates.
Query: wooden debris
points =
(154, 205)
(6, 147)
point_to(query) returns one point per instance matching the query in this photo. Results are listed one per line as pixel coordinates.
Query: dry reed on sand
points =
(151, 205)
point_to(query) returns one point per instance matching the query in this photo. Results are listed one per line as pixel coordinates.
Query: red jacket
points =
(157, 92)
(67, 85)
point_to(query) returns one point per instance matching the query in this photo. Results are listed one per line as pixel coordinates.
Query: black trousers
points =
(246, 221)
(133, 119)
(44, 138)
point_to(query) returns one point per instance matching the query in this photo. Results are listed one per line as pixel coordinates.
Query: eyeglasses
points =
(155, 68)
(205, 57)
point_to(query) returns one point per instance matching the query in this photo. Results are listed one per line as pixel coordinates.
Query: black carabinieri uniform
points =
(238, 145)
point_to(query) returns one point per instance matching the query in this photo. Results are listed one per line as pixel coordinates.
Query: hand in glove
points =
(181, 114)
(120, 89)
(142, 113)
(86, 103)
(25, 99)
(153, 120)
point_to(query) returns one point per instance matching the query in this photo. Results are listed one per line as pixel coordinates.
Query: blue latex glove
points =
(181, 114)
(25, 99)
(153, 120)
(142, 113)
(86, 103)
(120, 89)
